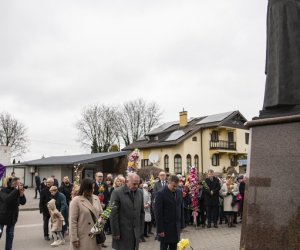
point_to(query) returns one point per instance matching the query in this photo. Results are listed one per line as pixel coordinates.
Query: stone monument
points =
(272, 201)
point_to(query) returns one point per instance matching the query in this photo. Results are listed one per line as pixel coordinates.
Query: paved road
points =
(29, 234)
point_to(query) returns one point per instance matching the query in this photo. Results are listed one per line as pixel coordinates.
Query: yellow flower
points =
(130, 164)
(183, 244)
(102, 189)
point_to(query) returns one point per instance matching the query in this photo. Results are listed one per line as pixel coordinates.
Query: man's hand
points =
(162, 235)
(211, 192)
(117, 237)
(76, 244)
(21, 190)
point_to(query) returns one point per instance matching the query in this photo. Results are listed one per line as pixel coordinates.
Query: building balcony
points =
(225, 145)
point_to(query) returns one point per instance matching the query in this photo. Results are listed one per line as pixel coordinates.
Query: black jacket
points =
(10, 200)
(55, 182)
(214, 185)
(169, 214)
(66, 190)
(45, 197)
(37, 181)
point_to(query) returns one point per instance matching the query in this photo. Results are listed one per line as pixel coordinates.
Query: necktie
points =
(132, 193)
(163, 183)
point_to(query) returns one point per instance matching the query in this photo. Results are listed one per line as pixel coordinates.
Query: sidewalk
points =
(31, 203)
(222, 238)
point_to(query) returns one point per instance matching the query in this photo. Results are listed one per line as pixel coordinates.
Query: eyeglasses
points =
(100, 176)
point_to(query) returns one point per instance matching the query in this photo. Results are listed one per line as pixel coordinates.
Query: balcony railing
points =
(227, 145)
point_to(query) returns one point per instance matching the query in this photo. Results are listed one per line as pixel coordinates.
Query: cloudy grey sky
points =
(58, 56)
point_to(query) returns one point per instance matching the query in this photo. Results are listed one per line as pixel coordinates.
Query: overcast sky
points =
(57, 57)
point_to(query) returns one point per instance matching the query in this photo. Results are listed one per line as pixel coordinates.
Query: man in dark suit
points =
(160, 184)
(211, 198)
(101, 190)
(169, 214)
(37, 180)
(45, 197)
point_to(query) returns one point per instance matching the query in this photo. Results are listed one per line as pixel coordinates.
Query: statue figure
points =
(283, 55)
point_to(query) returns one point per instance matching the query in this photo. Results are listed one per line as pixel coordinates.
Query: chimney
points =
(183, 121)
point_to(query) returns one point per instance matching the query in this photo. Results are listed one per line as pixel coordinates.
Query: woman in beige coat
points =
(80, 217)
(229, 190)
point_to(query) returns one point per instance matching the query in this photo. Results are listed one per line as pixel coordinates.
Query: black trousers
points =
(37, 189)
(46, 224)
(212, 214)
(168, 246)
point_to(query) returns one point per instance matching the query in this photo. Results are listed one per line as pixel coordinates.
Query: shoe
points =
(47, 238)
(34, 197)
(103, 245)
(220, 223)
(108, 233)
(203, 225)
(145, 235)
(150, 233)
(215, 225)
(208, 226)
(143, 239)
(56, 243)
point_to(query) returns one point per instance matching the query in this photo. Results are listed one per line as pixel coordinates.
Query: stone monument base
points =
(271, 218)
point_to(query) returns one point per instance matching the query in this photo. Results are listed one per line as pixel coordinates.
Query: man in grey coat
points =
(127, 217)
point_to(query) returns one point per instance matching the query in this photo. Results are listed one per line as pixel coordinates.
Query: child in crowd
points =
(57, 221)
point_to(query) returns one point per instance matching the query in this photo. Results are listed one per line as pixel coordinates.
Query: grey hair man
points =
(127, 217)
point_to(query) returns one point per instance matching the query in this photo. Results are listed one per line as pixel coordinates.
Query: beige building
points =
(210, 142)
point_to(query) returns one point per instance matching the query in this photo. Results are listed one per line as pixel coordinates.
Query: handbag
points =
(100, 237)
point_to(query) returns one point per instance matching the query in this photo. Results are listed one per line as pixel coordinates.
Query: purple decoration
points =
(2, 171)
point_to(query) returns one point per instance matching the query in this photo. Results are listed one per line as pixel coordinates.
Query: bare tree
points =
(96, 127)
(13, 134)
(136, 118)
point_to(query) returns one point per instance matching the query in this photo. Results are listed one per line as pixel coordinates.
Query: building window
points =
(215, 160)
(166, 163)
(194, 138)
(247, 138)
(196, 161)
(230, 137)
(233, 161)
(188, 162)
(154, 138)
(177, 164)
(145, 162)
(214, 135)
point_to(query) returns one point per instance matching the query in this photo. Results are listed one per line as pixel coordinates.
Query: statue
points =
(282, 89)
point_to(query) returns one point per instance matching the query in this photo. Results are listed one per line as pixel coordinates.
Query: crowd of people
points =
(137, 206)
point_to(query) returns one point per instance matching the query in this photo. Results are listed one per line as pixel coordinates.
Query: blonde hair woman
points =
(119, 181)
(229, 191)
